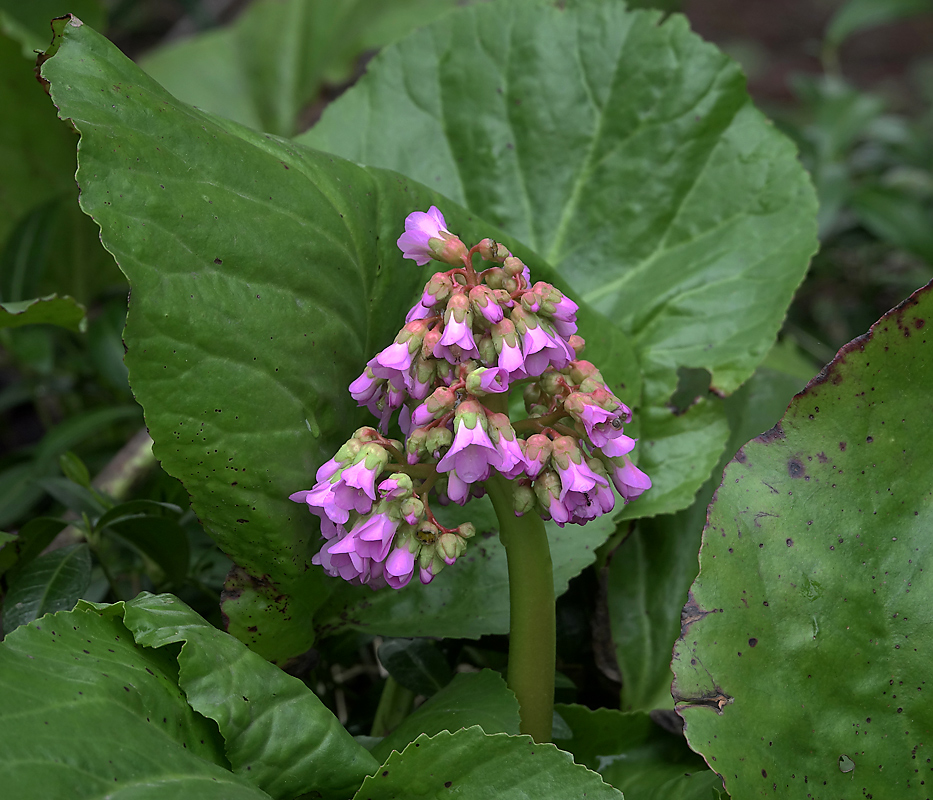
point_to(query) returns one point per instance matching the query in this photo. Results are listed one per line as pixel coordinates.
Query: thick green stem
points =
(394, 705)
(531, 602)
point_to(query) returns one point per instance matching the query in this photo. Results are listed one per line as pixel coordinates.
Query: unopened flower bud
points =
(577, 344)
(488, 249)
(581, 370)
(438, 439)
(437, 289)
(416, 446)
(485, 303)
(533, 395)
(449, 249)
(495, 278)
(538, 449)
(530, 302)
(523, 499)
(412, 510)
(431, 338)
(487, 349)
(450, 547)
(513, 266)
(466, 530)
(552, 383)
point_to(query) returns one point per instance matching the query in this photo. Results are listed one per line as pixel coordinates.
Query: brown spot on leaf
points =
(773, 435)
(717, 700)
(691, 613)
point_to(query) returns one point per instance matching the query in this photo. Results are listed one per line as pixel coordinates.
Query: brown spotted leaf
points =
(804, 661)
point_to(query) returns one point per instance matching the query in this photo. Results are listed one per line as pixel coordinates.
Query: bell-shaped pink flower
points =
(426, 237)
(399, 567)
(374, 536)
(420, 228)
(472, 453)
(619, 446)
(629, 481)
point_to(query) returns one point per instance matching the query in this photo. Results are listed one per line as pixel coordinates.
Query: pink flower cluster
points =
(470, 338)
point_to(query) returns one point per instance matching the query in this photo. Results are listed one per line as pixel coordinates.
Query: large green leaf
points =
(260, 289)
(87, 713)
(651, 571)
(479, 698)
(814, 582)
(624, 151)
(635, 755)
(267, 68)
(471, 764)
(278, 735)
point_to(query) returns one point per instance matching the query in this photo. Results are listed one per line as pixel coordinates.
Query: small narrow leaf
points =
(860, 15)
(416, 664)
(65, 312)
(52, 582)
(162, 540)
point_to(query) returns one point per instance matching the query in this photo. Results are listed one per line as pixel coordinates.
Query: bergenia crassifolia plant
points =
(476, 335)
(606, 151)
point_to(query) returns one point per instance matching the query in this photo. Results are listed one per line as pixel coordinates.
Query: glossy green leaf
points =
(51, 310)
(87, 713)
(20, 487)
(269, 66)
(678, 452)
(243, 412)
(73, 496)
(162, 540)
(470, 598)
(135, 508)
(278, 734)
(43, 235)
(29, 542)
(52, 582)
(473, 764)
(637, 756)
(651, 571)
(416, 664)
(74, 469)
(813, 581)
(36, 155)
(478, 698)
(626, 153)
(860, 15)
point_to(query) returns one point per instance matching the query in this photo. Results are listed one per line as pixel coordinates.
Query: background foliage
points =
(621, 158)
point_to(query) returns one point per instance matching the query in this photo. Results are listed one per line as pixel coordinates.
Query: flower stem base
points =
(532, 623)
